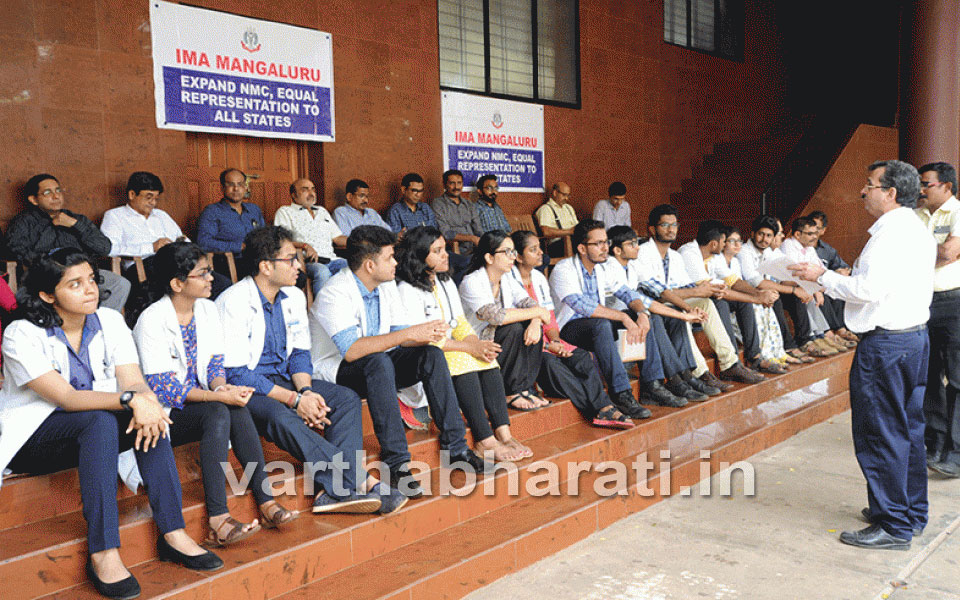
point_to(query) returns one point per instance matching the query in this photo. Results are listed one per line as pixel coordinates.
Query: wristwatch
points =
(125, 399)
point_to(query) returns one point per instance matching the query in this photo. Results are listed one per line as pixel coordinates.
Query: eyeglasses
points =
(870, 186)
(413, 191)
(930, 184)
(600, 244)
(290, 261)
(508, 252)
(51, 191)
(668, 225)
(734, 241)
(202, 274)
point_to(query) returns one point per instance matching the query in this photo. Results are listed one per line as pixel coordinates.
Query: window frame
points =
(741, 25)
(535, 44)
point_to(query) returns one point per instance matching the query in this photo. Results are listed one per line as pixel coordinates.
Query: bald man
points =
(556, 217)
(314, 232)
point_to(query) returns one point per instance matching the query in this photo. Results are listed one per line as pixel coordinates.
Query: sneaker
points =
(359, 505)
(469, 461)
(403, 481)
(409, 418)
(654, 392)
(628, 405)
(740, 373)
(391, 500)
(680, 388)
(700, 385)
(423, 415)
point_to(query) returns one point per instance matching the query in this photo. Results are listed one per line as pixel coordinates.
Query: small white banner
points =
(489, 136)
(224, 73)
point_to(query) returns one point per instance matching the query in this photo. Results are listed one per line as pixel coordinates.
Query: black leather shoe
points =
(653, 392)
(917, 531)
(125, 589)
(678, 387)
(874, 537)
(628, 405)
(404, 482)
(207, 561)
(700, 385)
(469, 461)
(946, 468)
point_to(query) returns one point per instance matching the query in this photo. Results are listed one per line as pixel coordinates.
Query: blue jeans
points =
(91, 440)
(319, 273)
(887, 384)
(596, 335)
(281, 425)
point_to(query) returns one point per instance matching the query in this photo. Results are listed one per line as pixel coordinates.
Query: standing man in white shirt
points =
(314, 232)
(615, 210)
(939, 210)
(887, 298)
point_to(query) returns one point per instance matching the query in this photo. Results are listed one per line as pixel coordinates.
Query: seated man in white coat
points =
(362, 339)
(267, 347)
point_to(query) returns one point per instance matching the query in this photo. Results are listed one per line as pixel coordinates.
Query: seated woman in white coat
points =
(73, 396)
(429, 293)
(180, 341)
(499, 309)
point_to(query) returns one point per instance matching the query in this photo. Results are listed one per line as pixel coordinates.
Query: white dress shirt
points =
(750, 258)
(891, 284)
(796, 252)
(132, 234)
(694, 262)
(651, 266)
(317, 228)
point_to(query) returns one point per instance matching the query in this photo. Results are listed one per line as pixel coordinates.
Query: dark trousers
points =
(887, 384)
(216, 425)
(458, 266)
(575, 377)
(341, 440)
(801, 321)
(789, 343)
(378, 377)
(940, 404)
(518, 362)
(597, 336)
(748, 325)
(678, 339)
(91, 440)
(483, 401)
(832, 310)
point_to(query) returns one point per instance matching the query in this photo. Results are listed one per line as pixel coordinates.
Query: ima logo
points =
(497, 120)
(250, 41)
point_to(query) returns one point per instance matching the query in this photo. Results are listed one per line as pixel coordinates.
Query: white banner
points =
(489, 136)
(224, 73)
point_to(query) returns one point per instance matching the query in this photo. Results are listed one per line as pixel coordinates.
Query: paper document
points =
(777, 268)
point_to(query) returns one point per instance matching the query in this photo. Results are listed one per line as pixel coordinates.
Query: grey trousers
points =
(118, 287)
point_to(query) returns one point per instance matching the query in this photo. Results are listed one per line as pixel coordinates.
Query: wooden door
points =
(271, 166)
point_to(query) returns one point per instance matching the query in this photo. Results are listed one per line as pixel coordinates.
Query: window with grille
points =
(520, 49)
(712, 26)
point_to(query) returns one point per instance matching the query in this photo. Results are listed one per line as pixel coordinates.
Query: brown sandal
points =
(234, 533)
(278, 517)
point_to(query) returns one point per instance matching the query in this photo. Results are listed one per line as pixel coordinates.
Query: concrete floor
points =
(780, 544)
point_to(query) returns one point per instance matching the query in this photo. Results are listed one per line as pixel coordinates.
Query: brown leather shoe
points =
(740, 373)
(711, 379)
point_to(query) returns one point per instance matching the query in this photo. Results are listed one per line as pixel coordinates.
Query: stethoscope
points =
(452, 321)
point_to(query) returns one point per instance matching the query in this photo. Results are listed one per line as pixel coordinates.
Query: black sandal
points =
(520, 396)
(612, 418)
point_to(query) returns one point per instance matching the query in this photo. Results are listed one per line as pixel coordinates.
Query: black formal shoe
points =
(469, 461)
(404, 482)
(680, 388)
(653, 392)
(208, 561)
(874, 537)
(125, 589)
(917, 531)
(947, 468)
(628, 405)
(700, 385)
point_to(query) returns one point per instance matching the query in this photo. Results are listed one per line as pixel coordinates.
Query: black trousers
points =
(789, 343)
(940, 403)
(575, 377)
(482, 401)
(216, 425)
(748, 325)
(519, 363)
(801, 321)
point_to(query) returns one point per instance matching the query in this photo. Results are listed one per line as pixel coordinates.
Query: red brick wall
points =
(76, 99)
(839, 194)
